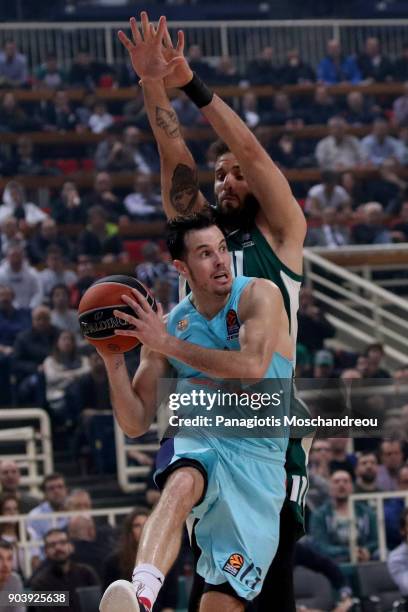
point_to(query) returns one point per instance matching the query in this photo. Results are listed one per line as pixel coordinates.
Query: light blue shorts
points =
(236, 523)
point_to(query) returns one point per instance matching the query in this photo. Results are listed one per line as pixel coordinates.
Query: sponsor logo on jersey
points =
(232, 324)
(183, 324)
(234, 564)
(247, 241)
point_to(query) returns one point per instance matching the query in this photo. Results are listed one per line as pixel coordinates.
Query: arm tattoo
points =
(184, 189)
(167, 121)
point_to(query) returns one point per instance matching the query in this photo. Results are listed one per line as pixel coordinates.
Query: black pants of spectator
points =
(5, 381)
(278, 594)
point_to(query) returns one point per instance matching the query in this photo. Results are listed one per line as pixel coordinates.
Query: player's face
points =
(208, 263)
(230, 186)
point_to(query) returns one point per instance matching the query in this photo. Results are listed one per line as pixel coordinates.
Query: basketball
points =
(95, 312)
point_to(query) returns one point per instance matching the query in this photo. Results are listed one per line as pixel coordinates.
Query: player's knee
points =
(184, 488)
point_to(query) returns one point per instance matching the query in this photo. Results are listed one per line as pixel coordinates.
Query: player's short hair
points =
(178, 228)
(218, 148)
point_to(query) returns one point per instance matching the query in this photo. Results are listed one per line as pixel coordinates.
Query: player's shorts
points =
(236, 522)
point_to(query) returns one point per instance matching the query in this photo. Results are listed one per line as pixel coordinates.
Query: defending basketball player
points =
(218, 482)
(266, 230)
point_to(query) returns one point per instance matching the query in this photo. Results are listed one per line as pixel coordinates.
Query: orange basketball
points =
(95, 312)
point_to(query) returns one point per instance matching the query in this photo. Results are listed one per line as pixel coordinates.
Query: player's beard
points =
(242, 217)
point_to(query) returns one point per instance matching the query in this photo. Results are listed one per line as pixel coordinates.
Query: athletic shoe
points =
(120, 596)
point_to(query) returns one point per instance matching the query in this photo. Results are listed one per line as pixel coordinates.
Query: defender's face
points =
(207, 265)
(230, 186)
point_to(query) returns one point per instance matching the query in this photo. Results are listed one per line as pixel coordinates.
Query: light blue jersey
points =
(236, 524)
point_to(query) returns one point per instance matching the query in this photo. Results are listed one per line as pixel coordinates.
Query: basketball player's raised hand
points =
(182, 73)
(146, 50)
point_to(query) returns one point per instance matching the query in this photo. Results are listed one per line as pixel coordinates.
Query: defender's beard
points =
(242, 217)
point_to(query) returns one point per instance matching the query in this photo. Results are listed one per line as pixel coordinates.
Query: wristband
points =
(198, 92)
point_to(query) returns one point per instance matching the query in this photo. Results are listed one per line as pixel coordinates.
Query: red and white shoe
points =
(120, 596)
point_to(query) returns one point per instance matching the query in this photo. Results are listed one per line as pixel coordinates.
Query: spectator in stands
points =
(49, 74)
(327, 194)
(47, 238)
(85, 277)
(100, 119)
(87, 72)
(13, 66)
(25, 281)
(249, 109)
(10, 582)
(55, 495)
(373, 65)
(401, 65)
(188, 112)
(58, 114)
(337, 68)
(357, 112)
(10, 532)
(103, 196)
(403, 150)
(164, 293)
(319, 473)
(371, 229)
(55, 272)
(134, 146)
(12, 116)
(61, 368)
(120, 563)
(69, 208)
(98, 241)
(262, 70)
(10, 477)
(153, 266)
(340, 459)
(400, 228)
(88, 547)
(322, 107)
(375, 355)
(393, 508)
(25, 161)
(398, 558)
(323, 364)
(198, 65)
(379, 146)
(90, 393)
(400, 108)
(63, 317)
(111, 154)
(294, 71)
(314, 328)
(286, 151)
(338, 150)
(15, 204)
(283, 113)
(330, 524)
(331, 233)
(60, 573)
(391, 458)
(144, 203)
(366, 472)
(226, 72)
(10, 234)
(31, 347)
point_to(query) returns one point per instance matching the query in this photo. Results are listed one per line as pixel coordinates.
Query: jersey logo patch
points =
(247, 241)
(232, 324)
(234, 564)
(183, 324)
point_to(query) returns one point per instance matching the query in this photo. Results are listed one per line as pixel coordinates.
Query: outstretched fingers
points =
(137, 37)
(180, 41)
(125, 41)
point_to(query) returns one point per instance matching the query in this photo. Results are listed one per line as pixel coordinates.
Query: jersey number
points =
(299, 487)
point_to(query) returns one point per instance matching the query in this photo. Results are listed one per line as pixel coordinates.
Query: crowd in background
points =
(45, 268)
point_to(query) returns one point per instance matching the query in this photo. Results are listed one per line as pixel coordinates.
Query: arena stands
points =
(79, 178)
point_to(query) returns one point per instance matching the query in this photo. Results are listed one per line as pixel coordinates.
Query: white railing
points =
(358, 308)
(29, 546)
(376, 499)
(128, 474)
(38, 458)
(242, 40)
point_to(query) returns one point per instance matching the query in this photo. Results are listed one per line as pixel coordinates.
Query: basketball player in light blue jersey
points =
(233, 489)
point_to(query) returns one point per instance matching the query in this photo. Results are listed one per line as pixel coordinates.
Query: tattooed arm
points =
(179, 182)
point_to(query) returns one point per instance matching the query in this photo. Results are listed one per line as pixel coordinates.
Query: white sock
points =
(147, 581)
